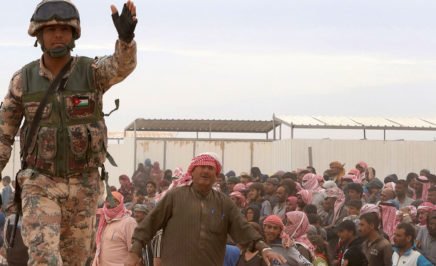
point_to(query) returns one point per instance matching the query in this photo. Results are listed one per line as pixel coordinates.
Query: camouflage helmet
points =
(55, 12)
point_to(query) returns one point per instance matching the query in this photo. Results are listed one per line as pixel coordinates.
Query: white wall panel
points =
(281, 156)
(209, 146)
(151, 149)
(237, 156)
(179, 154)
(123, 156)
(263, 156)
(386, 157)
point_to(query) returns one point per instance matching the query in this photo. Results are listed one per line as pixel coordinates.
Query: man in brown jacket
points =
(196, 220)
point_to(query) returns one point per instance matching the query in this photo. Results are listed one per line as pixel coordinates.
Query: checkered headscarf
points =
(205, 159)
(209, 159)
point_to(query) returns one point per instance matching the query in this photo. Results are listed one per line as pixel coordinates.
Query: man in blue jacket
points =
(404, 253)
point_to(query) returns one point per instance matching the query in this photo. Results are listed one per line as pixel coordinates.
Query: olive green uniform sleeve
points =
(11, 114)
(110, 70)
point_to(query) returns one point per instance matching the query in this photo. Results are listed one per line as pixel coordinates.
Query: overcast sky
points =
(248, 59)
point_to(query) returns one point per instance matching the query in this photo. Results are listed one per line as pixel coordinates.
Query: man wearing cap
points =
(139, 212)
(196, 220)
(64, 136)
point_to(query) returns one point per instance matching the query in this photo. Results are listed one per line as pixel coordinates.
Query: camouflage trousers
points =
(59, 216)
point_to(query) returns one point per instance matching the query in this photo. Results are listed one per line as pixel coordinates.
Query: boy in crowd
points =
(352, 255)
(353, 211)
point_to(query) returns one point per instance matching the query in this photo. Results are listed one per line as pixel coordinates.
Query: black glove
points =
(125, 24)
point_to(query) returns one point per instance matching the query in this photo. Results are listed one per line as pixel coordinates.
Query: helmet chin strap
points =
(59, 51)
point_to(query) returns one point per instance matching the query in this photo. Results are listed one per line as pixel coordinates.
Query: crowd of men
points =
(342, 217)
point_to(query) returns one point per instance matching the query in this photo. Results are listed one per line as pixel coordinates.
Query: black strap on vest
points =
(59, 80)
(38, 115)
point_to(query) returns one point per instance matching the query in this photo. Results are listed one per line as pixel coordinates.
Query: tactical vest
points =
(72, 135)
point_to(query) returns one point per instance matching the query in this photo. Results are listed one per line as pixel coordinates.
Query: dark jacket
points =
(353, 253)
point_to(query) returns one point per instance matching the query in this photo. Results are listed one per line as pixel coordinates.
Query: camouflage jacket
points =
(106, 71)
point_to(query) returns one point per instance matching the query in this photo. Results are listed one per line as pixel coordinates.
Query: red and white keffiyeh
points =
(352, 178)
(306, 196)
(274, 220)
(310, 182)
(425, 186)
(242, 202)
(204, 159)
(337, 193)
(368, 208)
(296, 230)
(388, 219)
(108, 216)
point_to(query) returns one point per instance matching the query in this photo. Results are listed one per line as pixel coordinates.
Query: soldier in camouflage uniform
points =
(61, 182)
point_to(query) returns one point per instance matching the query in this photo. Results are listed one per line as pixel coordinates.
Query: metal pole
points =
(280, 132)
(251, 154)
(364, 134)
(292, 132)
(274, 130)
(384, 134)
(194, 149)
(134, 146)
(165, 156)
(310, 156)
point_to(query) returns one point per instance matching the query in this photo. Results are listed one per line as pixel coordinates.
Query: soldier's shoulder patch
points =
(15, 86)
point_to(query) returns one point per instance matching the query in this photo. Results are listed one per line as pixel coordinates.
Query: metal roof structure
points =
(200, 125)
(294, 122)
(380, 123)
(362, 123)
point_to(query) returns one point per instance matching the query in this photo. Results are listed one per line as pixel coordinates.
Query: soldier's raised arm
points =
(112, 69)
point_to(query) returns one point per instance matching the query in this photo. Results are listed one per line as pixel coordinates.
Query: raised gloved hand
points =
(126, 22)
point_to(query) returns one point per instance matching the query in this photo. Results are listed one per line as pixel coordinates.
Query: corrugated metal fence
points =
(386, 157)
